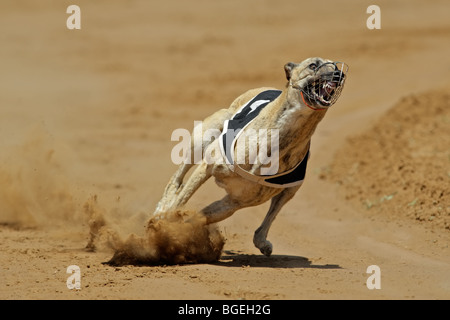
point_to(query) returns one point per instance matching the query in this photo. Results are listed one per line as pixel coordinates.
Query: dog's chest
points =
(242, 118)
(232, 129)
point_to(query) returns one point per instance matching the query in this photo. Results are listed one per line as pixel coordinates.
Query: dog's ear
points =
(288, 67)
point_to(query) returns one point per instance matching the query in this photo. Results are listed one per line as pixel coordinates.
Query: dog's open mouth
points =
(324, 92)
(326, 86)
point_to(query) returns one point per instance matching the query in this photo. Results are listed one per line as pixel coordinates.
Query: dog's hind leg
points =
(198, 177)
(197, 146)
(221, 209)
(173, 187)
(278, 201)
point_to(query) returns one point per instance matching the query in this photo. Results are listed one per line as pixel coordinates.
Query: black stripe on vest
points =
(244, 117)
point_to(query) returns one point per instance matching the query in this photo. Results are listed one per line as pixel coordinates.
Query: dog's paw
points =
(260, 241)
(266, 249)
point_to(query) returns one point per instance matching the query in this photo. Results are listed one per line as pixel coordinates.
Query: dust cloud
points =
(34, 188)
(37, 190)
(179, 237)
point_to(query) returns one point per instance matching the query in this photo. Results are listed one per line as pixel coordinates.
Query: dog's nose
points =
(326, 67)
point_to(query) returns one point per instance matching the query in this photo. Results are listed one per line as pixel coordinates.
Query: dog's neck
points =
(296, 123)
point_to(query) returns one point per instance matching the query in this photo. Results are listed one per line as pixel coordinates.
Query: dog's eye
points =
(313, 66)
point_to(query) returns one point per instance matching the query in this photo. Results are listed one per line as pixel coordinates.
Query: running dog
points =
(292, 115)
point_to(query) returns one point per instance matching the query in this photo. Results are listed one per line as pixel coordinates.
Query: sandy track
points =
(91, 112)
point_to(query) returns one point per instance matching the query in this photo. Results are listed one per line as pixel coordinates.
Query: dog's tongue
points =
(330, 86)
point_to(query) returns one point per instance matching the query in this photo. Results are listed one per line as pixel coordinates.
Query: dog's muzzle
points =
(326, 84)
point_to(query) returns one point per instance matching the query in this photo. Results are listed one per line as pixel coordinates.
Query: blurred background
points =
(116, 89)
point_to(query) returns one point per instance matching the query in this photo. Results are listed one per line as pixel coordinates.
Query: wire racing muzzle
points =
(326, 84)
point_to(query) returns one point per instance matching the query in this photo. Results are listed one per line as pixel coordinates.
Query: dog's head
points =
(318, 81)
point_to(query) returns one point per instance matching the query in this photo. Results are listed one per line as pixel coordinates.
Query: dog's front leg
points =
(278, 201)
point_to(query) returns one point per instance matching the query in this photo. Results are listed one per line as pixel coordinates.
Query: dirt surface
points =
(408, 181)
(88, 114)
